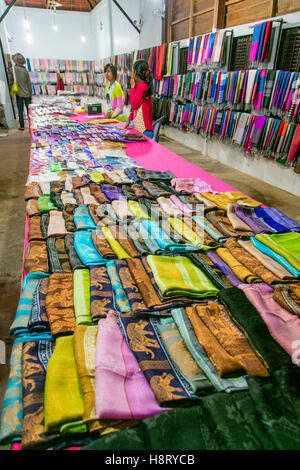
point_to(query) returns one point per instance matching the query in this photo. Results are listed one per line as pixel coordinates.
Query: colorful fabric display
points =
(100, 292)
(82, 219)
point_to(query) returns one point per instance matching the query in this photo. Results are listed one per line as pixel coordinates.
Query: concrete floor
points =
(14, 152)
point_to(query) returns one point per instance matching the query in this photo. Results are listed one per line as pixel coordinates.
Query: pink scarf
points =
(122, 391)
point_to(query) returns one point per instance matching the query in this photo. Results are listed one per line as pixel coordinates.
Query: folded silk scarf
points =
(241, 271)
(60, 304)
(38, 321)
(112, 192)
(29, 287)
(219, 219)
(235, 221)
(58, 255)
(45, 204)
(284, 244)
(288, 297)
(95, 190)
(61, 415)
(224, 268)
(114, 244)
(34, 230)
(102, 245)
(81, 296)
(164, 241)
(269, 263)
(179, 276)
(216, 319)
(248, 215)
(168, 386)
(249, 320)
(250, 262)
(225, 364)
(68, 215)
(87, 197)
(75, 262)
(120, 297)
(138, 211)
(56, 226)
(230, 197)
(82, 219)
(283, 325)
(33, 191)
(36, 259)
(85, 337)
(86, 250)
(277, 220)
(272, 254)
(12, 408)
(32, 207)
(35, 358)
(186, 232)
(67, 198)
(181, 357)
(122, 391)
(129, 285)
(101, 292)
(202, 359)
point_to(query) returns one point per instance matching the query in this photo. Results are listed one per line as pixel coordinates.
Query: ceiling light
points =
(83, 38)
(26, 23)
(55, 27)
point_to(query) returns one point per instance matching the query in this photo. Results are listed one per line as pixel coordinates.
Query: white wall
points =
(151, 32)
(101, 33)
(47, 43)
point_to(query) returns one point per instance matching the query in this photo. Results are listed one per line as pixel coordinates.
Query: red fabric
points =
(137, 99)
(160, 58)
(60, 84)
(264, 54)
(295, 145)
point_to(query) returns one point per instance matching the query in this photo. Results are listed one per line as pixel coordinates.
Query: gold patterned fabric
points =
(217, 320)
(59, 304)
(34, 230)
(36, 259)
(35, 357)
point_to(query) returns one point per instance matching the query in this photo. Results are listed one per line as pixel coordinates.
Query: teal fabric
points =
(86, 250)
(120, 297)
(163, 240)
(12, 408)
(20, 323)
(83, 219)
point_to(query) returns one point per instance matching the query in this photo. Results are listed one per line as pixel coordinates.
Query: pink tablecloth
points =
(154, 156)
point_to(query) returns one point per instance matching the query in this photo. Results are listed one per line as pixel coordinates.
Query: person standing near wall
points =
(24, 95)
(140, 98)
(114, 94)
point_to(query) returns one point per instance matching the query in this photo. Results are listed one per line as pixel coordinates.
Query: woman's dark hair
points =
(113, 70)
(142, 70)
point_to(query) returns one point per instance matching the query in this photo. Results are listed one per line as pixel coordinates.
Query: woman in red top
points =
(140, 98)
